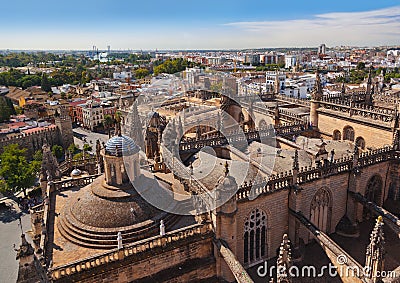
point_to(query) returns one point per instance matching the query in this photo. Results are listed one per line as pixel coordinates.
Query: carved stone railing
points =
(136, 249)
(217, 139)
(289, 99)
(69, 164)
(360, 110)
(310, 174)
(75, 182)
(389, 100)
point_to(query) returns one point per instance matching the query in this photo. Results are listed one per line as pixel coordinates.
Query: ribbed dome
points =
(94, 215)
(76, 172)
(121, 146)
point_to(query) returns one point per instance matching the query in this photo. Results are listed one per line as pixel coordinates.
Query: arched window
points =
(262, 124)
(374, 189)
(320, 214)
(360, 142)
(255, 237)
(373, 193)
(337, 136)
(348, 133)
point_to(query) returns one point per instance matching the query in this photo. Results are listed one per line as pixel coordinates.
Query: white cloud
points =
(358, 28)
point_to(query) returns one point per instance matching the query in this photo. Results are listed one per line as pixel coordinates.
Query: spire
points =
(317, 92)
(30, 269)
(368, 94)
(374, 261)
(396, 140)
(134, 128)
(369, 81)
(179, 128)
(226, 168)
(284, 261)
(276, 114)
(277, 83)
(296, 160)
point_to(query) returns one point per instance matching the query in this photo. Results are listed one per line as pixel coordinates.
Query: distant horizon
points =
(204, 50)
(189, 25)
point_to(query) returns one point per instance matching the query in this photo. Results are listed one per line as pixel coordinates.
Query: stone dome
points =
(76, 172)
(121, 146)
(95, 214)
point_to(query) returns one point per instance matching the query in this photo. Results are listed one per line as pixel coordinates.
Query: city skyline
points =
(188, 26)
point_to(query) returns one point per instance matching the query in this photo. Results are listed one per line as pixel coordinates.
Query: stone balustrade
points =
(360, 110)
(218, 139)
(69, 164)
(294, 100)
(70, 183)
(308, 174)
(136, 249)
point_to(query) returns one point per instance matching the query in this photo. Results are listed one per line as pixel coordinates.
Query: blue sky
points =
(44, 24)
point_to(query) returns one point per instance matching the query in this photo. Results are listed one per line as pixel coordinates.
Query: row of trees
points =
(172, 66)
(6, 109)
(270, 67)
(76, 75)
(18, 173)
(23, 59)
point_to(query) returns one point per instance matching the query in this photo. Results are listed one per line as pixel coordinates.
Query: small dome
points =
(121, 146)
(153, 114)
(76, 172)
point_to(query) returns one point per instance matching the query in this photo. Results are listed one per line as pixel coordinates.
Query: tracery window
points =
(320, 210)
(255, 236)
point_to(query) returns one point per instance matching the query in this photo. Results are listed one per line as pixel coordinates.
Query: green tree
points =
(141, 73)
(79, 156)
(57, 151)
(45, 84)
(38, 155)
(108, 122)
(87, 147)
(17, 172)
(73, 148)
(6, 109)
(360, 66)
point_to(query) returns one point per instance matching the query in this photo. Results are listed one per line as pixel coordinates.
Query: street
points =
(10, 234)
(82, 136)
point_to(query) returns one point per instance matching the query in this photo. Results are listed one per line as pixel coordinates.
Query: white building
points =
(322, 49)
(270, 77)
(122, 75)
(290, 61)
(92, 114)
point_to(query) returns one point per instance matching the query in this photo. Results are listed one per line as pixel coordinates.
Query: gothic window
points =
(373, 193)
(262, 124)
(337, 136)
(360, 142)
(320, 210)
(374, 189)
(255, 237)
(348, 133)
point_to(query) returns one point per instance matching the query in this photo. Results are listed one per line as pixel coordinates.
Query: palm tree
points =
(108, 122)
(118, 119)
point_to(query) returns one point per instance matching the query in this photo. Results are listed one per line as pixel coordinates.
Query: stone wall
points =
(373, 135)
(187, 254)
(275, 207)
(33, 141)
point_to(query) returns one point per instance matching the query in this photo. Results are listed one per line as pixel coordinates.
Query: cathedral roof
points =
(121, 146)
